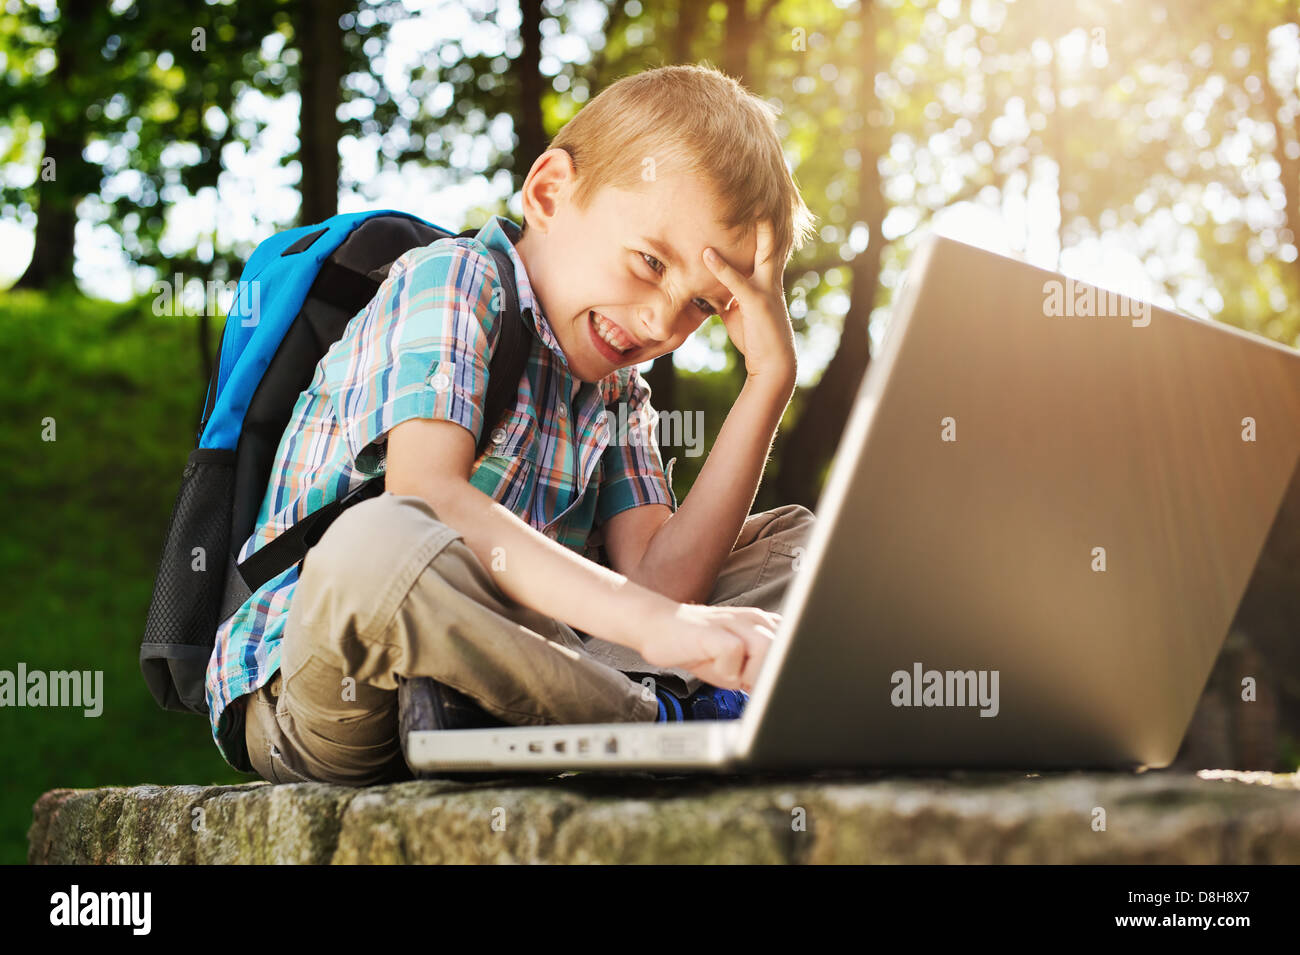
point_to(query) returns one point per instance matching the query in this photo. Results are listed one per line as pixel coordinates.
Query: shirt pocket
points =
(508, 469)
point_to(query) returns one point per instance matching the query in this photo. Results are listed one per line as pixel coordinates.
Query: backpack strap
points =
(506, 368)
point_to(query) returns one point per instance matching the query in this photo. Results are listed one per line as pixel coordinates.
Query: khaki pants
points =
(390, 590)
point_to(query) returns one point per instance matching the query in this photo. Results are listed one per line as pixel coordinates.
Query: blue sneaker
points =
(670, 708)
(711, 703)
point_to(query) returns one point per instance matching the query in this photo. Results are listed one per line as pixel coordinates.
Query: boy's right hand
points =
(723, 646)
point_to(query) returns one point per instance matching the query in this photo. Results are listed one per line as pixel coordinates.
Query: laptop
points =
(1043, 513)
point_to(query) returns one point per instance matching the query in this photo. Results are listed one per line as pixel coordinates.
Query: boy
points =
(483, 574)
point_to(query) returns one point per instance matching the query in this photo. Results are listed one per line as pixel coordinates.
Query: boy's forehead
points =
(682, 213)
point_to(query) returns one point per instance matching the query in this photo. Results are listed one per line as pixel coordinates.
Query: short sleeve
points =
(633, 471)
(420, 350)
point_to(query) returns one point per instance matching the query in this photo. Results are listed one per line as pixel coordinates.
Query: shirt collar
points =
(501, 233)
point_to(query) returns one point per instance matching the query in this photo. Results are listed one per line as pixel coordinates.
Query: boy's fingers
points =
(763, 262)
(728, 651)
(758, 650)
(753, 644)
(736, 283)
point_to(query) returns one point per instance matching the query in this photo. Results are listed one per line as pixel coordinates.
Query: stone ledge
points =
(1155, 818)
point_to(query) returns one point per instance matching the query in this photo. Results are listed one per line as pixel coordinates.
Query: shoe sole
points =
(425, 704)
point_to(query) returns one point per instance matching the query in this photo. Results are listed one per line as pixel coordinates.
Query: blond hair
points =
(697, 119)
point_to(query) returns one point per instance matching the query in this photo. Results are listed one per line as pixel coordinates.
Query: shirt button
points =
(499, 435)
(550, 532)
(439, 381)
(564, 412)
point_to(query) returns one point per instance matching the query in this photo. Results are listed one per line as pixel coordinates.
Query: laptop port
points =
(611, 745)
(560, 746)
(584, 745)
(534, 747)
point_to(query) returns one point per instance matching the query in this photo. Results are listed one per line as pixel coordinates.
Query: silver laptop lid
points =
(1045, 508)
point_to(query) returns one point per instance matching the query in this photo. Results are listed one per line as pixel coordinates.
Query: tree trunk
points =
(810, 444)
(56, 223)
(735, 42)
(688, 18)
(532, 140)
(320, 40)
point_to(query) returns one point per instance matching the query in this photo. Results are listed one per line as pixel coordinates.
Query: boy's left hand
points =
(756, 318)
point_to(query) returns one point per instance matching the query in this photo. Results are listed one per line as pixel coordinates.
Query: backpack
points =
(311, 280)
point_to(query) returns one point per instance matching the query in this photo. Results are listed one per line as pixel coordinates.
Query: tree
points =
(53, 97)
(124, 85)
(320, 85)
(824, 411)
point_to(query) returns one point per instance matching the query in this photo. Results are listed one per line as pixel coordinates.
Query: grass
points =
(85, 518)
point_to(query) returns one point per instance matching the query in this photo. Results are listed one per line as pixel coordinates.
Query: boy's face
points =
(624, 281)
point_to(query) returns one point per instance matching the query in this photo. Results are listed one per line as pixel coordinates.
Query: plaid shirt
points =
(421, 349)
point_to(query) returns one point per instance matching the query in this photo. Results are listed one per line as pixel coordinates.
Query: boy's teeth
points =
(606, 331)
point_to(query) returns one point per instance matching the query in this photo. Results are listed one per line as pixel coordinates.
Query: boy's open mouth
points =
(609, 338)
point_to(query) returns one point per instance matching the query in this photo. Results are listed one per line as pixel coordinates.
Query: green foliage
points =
(83, 530)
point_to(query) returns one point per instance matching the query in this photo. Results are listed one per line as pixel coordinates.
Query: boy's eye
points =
(655, 264)
(651, 261)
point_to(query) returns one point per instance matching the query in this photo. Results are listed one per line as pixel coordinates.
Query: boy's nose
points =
(656, 324)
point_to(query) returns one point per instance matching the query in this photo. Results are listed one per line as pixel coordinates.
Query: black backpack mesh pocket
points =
(182, 625)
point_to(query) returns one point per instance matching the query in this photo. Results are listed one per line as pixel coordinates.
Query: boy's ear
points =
(549, 184)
